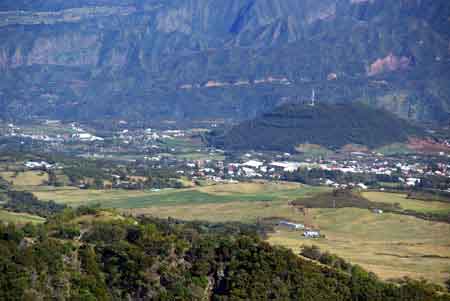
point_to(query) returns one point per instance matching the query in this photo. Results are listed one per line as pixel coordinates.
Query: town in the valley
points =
(184, 153)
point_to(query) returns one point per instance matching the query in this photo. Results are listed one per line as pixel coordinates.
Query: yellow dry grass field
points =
(390, 245)
(248, 212)
(249, 188)
(78, 197)
(405, 203)
(27, 178)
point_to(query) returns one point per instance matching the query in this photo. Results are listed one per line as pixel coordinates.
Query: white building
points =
(311, 234)
(287, 166)
(253, 164)
(362, 186)
(86, 137)
(35, 164)
(412, 181)
(291, 225)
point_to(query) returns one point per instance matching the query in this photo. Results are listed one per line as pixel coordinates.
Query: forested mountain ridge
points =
(90, 254)
(203, 59)
(328, 125)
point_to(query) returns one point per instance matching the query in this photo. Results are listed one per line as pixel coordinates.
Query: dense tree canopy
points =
(96, 255)
(332, 126)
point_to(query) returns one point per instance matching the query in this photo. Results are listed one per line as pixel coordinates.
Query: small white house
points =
(329, 182)
(311, 234)
(412, 181)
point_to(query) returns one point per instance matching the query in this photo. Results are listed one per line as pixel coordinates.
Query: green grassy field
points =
(407, 204)
(19, 218)
(313, 150)
(187, 148)
(200, 156)
(169, 197)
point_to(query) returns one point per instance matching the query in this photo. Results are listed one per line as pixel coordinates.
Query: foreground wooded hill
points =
(331, 126)
(96, 255)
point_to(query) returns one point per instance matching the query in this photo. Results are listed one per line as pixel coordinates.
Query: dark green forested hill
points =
(331, 126)
(92, 255)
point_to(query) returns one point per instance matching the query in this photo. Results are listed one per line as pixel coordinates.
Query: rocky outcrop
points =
(388, 64)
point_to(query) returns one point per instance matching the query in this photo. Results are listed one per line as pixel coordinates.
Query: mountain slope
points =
(138, 59)
(331, 126)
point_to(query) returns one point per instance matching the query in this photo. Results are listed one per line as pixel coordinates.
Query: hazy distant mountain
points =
(328, 125)
(205, 59)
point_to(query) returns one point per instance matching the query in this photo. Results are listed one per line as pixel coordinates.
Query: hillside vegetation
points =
(90, 255)
(331, 126)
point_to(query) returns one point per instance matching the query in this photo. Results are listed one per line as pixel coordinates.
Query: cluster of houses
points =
(39, 165)
(259, 169)
(149, 135)
(155, 147)
(250, 166)
(86, 137)
(41, 135)
(409, 172)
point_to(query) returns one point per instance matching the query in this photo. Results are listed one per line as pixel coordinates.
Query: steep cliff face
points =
(154, 58)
